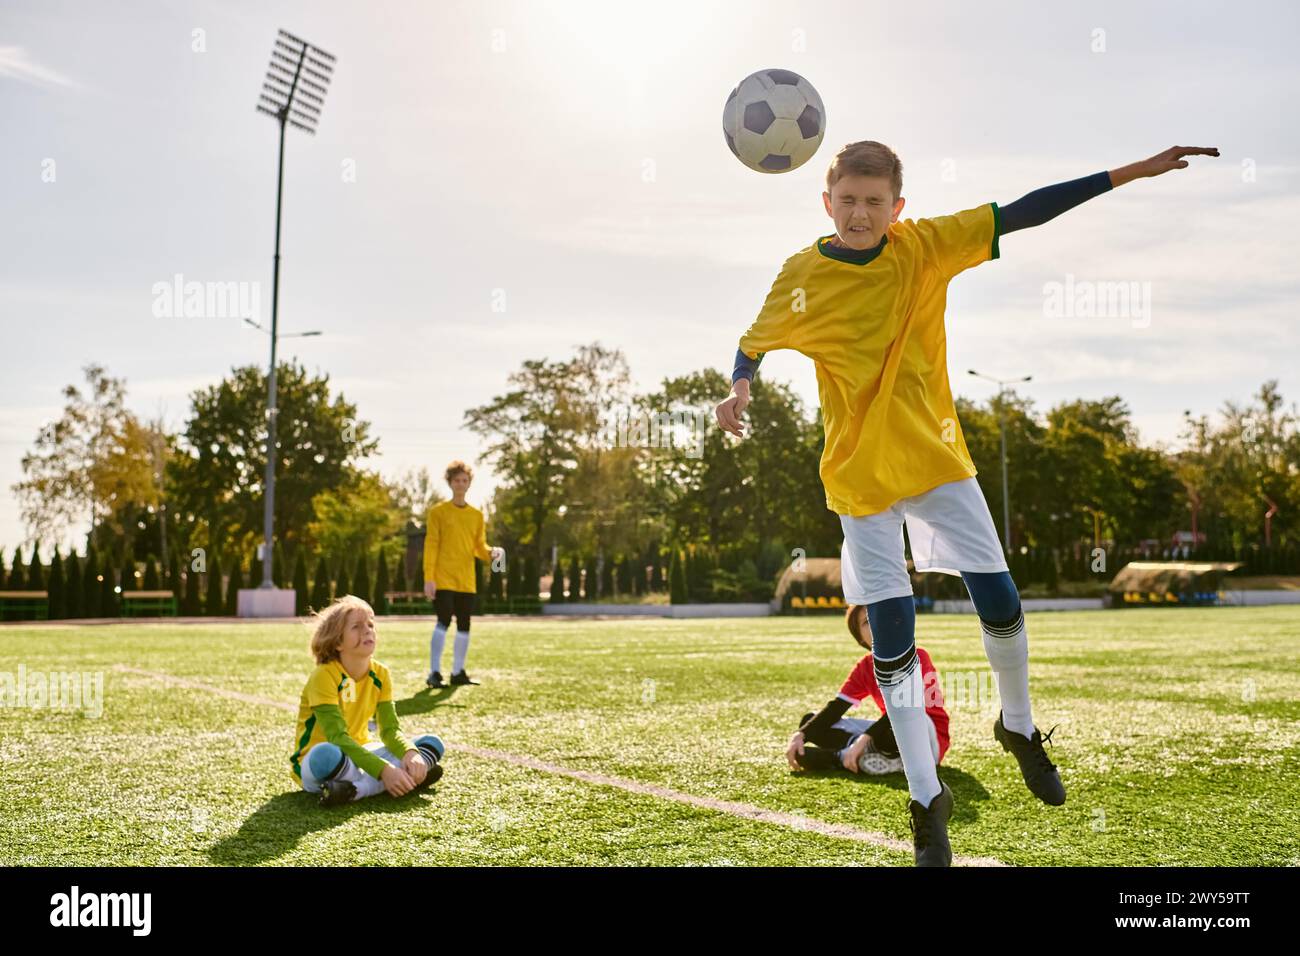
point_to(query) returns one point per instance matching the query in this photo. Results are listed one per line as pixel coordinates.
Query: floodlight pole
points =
(285, 96)
(268, 514)
(1002, 428)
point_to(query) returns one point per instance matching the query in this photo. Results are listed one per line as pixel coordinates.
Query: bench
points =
(512, 605)
(408, 602)
(148, 603)
(24, 605)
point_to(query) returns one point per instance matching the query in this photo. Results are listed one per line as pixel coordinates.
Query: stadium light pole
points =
(293, 93)
(1002, 384)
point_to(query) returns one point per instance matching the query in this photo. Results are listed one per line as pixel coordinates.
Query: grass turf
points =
(1178, 745)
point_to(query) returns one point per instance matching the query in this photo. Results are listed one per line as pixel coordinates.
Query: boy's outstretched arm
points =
(1043, 205)
(1172, 158)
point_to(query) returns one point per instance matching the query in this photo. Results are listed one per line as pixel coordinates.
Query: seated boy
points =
(335, 756)
(828, 739)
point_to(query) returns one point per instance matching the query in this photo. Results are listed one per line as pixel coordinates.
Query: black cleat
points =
(930, 846)
(462, 678)
(435, 769)
(334, 793)
(434, 681)
(1039, 772)
(433, 776)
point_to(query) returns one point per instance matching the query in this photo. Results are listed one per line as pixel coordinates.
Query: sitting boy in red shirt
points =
(828, 739)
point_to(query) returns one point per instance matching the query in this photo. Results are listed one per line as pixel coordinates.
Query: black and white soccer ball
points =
(774, 121)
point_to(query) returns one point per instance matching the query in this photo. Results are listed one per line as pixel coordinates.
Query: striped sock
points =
(1007, 648)
(904, 692)
(429, 754)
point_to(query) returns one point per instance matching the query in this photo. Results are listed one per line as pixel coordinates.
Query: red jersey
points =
(861, 684)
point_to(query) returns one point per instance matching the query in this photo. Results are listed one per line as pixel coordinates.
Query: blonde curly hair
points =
(329, 625)
(458, 467)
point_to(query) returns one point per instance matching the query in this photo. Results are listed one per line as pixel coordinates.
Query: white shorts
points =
(950, 531)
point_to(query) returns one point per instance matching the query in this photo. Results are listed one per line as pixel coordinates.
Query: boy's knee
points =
(994, 595)
(325, 760)
(431, 741)
(893, 626)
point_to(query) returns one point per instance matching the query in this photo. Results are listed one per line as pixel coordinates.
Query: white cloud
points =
(16, 64)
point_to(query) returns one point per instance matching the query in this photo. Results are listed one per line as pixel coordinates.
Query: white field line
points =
(744, 811)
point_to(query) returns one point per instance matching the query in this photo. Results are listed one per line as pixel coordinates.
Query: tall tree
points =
(219, 471)
(320, 588)
(58, 490)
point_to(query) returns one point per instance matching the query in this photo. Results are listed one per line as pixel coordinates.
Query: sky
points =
(493, 182)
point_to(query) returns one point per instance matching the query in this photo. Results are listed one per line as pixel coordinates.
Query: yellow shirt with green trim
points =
(875, 332)
(454, 536)
(358, 701)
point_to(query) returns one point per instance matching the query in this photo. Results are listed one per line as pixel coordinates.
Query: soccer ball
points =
(774, 121)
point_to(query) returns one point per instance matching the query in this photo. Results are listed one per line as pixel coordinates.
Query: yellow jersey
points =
(453, 537)
(875, 332)
(358, 701)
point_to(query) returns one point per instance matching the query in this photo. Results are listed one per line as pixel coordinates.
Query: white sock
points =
(1007, 648)
(435, 648)
(904, 694)
(459, 648)
(367, 786)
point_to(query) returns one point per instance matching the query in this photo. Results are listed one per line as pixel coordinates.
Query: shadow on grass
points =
(967, 791)
(426, 700)
(279, 825)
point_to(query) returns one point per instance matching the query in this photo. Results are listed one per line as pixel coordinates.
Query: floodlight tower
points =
(293, 93)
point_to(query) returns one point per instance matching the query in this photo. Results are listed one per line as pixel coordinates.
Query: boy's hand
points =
(1172, 158)
(853, 752)
(396, 781)
(415, 767)
(729, 412)
(430, 590)
(795, 750)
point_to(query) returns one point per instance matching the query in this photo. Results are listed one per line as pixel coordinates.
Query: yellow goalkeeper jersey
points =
(453, 538)
(875, 332)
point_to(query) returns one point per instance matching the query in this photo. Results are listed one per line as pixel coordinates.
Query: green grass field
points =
(1178, 745)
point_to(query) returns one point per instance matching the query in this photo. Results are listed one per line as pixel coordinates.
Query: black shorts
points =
(446, 603)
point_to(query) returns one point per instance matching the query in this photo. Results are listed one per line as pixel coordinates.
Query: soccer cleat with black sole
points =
(930, 846)
(434, 773)
(434, 681)
(461, 679)
(334, 793)
(1038, 770)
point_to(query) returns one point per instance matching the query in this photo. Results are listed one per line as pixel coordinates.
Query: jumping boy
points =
(866, 304)
(455, 535)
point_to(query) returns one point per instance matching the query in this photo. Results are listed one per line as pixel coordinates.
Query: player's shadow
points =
(426, 700)
(967, 791)
(279, 825)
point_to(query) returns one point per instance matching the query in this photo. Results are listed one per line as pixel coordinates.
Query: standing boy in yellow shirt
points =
(455, 535)
(866, 304)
